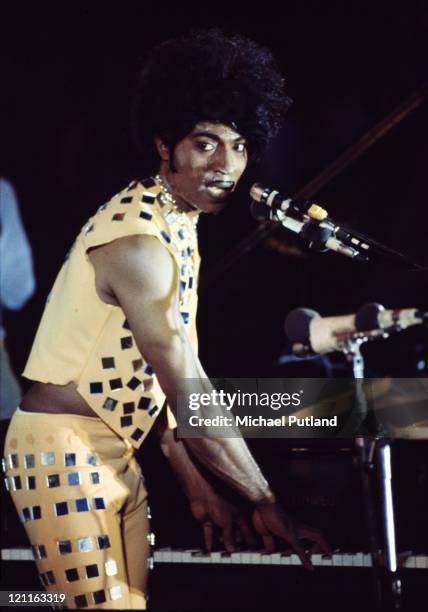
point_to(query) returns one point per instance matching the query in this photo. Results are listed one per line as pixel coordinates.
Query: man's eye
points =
(205, 146)
(240, 147)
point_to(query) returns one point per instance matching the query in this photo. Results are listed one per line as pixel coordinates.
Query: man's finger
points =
(269, 543)
(316, 536)
(228, 537)
(304, 558)
(208, 535)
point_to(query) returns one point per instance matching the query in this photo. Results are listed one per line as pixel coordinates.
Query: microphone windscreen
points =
(367, 318)
(297, 324)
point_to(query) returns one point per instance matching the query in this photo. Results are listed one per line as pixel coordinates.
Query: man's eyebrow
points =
(213, 136)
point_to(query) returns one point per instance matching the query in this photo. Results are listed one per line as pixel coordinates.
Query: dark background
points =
(67, 79)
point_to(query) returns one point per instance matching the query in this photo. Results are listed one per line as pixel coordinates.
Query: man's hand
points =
(214, 512)
(270, 520)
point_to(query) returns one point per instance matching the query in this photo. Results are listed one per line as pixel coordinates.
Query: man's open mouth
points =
(226, 185)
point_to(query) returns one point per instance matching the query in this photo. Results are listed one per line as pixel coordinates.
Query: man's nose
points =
(223, 161)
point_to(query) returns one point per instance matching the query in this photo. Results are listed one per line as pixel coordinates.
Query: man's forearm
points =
(231, 460)
(184, 468)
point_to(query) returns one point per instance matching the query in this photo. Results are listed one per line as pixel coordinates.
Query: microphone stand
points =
(366, 449)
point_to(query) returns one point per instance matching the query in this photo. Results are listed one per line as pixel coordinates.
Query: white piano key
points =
(226, 558)
(266, 559)
(256, 558)
(357, 559)
(236, 558)
(294, 560)
(367, 560)
(186, 556)
(420, 561)
(316, 560)
(163, 555)
(337, 560)
(347, 560)
(201, 557)
(176, 556)
(285, 559)
(246, 557)
(276, 558)
(216, 557)
(410, 562)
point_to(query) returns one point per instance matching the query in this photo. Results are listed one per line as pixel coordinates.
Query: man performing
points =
(118, 334)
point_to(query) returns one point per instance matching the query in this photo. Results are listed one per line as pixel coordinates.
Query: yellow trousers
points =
(80, 494)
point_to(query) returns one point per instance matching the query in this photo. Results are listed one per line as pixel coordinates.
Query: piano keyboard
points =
(342, 559)
(169, 555)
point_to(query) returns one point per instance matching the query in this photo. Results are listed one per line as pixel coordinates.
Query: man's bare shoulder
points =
(136, 260)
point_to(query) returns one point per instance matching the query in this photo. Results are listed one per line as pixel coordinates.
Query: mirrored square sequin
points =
(29, 461)
(16, 483)
(53, 480)
(31, 482)
(36, 513)
(133, 383)
(95, 478)
(61, 508)
(89, 228)
(108, 363)
(92, 570)
(80, 601)
(85, 545)
(95, 388)
(3, 464)
(6, 484)
(110, 404)
(73, 478)
(115, 384)
(26, 515)
(50, 577)
(170, 217)
(99, 597)
(128, 407)
(13, 461)
(126, 421)
(103, 541)
(111, 567)
(69, 459)
(72, 574)
(137, 364)
(115, 592)
(126, 342)
(126, 200)
(145, 215)
(47, 458)
(144, 403)
(137, 434)
(82, 505)
(42, 554)
(64, 547)
(91, 459)
(99, 503)
(118, 217)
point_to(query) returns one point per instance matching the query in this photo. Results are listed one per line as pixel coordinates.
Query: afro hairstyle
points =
(208, 76)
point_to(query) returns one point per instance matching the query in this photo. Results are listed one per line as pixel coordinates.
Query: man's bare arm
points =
(140, 274)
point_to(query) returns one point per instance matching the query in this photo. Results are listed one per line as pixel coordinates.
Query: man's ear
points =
(162, 149)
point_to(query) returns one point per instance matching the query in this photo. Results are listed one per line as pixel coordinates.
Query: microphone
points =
(307, 219)
(308, 331)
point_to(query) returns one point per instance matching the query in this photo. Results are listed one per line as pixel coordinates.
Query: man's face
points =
(209, 162)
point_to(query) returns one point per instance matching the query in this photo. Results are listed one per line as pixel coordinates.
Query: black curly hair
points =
(208, 76)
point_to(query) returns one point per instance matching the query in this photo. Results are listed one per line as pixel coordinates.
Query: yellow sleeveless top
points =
(82, 339)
